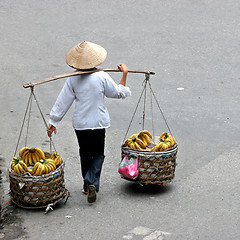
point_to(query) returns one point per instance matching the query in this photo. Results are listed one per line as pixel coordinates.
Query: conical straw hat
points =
(86, 55)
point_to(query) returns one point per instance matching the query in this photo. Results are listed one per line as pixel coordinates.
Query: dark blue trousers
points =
(91, 151)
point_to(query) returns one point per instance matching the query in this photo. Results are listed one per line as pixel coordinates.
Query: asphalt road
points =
(192, 45)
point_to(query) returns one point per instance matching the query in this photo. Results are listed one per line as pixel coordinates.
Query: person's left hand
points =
(51, 129)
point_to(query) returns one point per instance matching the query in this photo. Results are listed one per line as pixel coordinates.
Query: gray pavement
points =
(192, 45)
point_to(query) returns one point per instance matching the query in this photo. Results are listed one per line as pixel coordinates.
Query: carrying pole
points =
(49, 79)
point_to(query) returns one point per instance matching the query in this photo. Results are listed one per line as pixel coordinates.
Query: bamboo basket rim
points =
(173, 149)
(29, 177)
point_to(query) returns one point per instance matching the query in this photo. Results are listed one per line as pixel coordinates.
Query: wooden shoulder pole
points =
(49, 79)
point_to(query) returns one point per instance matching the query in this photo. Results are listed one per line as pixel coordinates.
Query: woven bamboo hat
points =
(86, 55)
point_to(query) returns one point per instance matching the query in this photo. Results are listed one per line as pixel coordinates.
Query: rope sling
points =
(151, 167)
(143, 95)
(28, 113)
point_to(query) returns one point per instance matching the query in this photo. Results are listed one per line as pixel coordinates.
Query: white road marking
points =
(141, 230)
(147, 233)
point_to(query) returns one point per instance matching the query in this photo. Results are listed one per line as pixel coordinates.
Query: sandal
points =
(92, 196)
(85, 192)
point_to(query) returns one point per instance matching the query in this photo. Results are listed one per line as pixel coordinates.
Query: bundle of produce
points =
(166, 141)
(139, 141)
(57, 159)
(43, 167)
(31, 155)
(34, 161)
(142, 141)
(19, 166)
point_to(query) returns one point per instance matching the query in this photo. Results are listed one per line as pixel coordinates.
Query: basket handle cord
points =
(28, 112)
(145, 82)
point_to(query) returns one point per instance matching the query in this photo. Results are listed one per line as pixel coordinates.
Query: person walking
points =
(90, 117)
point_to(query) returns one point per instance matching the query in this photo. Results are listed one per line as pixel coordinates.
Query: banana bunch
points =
(43, 167)
(139, 141)
(165, 141)
(19, 166)
(57, 159)
(145, 136)
(31, 155)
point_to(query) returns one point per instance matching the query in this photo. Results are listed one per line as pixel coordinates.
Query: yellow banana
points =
(49, 160)
(24, 166)
(35, 173)
(42, 168)
(38, 156)
(46, 170)
(172, 140)
(14, 162)
(25, 158)
(53, 165)
(19, 169)
(50, 168)
(54, 155)
(16, 170)
(164, 135)
(34, 159)
(12, 165)
(147, 138)
(164, 147)
(132, 145)
(155, 148)
(42, 154)
(144, 140)
(35, 167)
(58, 161)
(141, 143)
(134, 136)
(30, 160)
(22, 151)
(138, 146)
(39, 170)
(148, 133)
(127, 142)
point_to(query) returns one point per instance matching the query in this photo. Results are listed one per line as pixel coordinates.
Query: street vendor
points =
(90, 117)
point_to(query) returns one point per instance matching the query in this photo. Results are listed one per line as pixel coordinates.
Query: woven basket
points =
(37, 191)
(154, 167)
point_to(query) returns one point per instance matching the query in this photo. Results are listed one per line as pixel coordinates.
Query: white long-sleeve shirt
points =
(88, 91)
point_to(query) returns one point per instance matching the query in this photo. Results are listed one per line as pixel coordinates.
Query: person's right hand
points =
(122, 68)
(51, 129)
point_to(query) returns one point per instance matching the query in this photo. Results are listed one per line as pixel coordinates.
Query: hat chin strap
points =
(89, 69)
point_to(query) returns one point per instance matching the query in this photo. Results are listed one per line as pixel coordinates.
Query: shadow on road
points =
(150, 189)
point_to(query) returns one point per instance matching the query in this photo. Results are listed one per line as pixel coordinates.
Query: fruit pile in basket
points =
(142, 141)
(34, 161)
(166, 141)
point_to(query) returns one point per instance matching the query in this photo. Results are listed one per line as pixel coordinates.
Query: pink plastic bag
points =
(129, 168)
